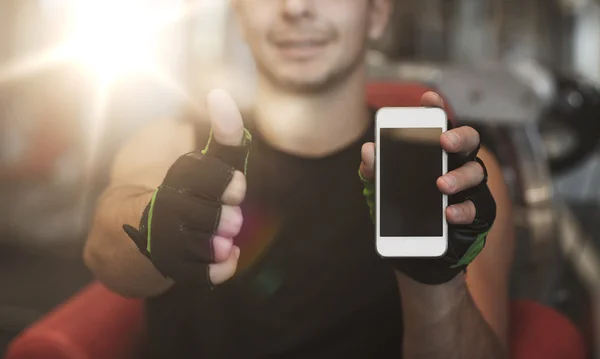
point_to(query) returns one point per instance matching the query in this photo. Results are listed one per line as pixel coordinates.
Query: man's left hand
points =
(471, 211)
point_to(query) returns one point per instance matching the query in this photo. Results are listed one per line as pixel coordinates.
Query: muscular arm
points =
(138, 170)
(467, 317)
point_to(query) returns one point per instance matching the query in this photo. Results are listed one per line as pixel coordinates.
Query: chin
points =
(304, 77)
(305, 80)
(304, 85)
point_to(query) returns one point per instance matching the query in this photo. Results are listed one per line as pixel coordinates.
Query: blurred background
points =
(77, 78)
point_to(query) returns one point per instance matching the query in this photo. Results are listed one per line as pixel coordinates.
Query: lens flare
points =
(260, 232)
(112, 39)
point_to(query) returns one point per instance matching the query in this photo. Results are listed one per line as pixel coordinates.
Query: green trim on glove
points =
(245, 140)
(473, 251)
(470, 255)
(369, 193)
(210, 135)
(150, 211)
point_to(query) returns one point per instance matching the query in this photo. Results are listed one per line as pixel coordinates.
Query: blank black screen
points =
(410, 162)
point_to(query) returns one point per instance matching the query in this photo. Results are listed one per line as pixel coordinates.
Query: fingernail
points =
(237, 252)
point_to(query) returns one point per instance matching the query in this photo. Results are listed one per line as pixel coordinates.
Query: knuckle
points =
(470, 173)
(467, 130)
(475, 169)
(460, 178)
(480, 171)
(463, 212)
(236, 189)
(475, 173)
(468, 134)
(473, 135)
(221, 247)
(239, 182)
(469, 211)
(234, 219)
(237, 218)
(462, 173)
(471, 207)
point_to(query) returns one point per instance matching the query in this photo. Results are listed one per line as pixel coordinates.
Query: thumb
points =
(367, 166)
(225, 117)
(220, 272)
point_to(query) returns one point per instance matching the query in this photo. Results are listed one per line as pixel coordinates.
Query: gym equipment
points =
(507, 106)
(505, 111)
(570, 126)
(72, 330)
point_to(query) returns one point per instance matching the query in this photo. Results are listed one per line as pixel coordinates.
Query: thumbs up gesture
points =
(188, 227)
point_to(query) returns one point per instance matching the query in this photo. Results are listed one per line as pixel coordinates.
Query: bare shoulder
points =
(144, 159)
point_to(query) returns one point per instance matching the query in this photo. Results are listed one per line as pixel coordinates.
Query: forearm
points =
(112, 256)
(443, 322)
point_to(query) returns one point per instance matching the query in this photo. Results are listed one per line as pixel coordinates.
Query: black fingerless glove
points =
(465, 242)
(177, 226)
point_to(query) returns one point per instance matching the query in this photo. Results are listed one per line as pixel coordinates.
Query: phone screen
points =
(410, 162)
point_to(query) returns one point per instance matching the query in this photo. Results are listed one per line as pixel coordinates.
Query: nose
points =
(298, 8)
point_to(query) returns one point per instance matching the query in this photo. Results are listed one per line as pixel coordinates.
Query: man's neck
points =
(313, 125)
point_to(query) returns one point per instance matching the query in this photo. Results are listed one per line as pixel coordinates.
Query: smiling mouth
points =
(300, 49)
(300, 42)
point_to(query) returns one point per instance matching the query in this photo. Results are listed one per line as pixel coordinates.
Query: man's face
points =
(309, 45)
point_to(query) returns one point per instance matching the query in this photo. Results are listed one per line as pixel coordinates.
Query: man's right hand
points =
(188, 227)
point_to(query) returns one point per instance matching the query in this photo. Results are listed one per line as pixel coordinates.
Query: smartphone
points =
(410, 209)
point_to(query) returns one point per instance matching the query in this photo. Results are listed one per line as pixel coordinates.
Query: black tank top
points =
(309, 282)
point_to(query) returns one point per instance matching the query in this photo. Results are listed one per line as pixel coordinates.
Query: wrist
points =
(407, 283)
(438, 299)
(446, 293)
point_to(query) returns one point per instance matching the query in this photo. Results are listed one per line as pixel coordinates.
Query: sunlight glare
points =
(111, 38)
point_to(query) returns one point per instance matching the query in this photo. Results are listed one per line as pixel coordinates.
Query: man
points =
(307, 283)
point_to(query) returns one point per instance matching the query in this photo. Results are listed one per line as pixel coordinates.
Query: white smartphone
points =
(410, 209)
